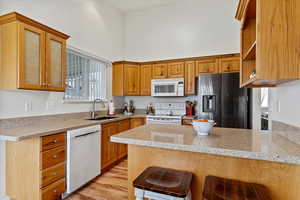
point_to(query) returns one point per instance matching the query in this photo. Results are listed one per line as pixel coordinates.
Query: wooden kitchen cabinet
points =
(159, 71)
(136, 122)
(146, 76)
(109, 150)
(207, 66)
(55, 62)
(37, 166)
(118, 80)
(131, 80)
(190, 78)
(176, 70)
(123, 125)
(270, 38)
(229, 65)
(33, 56)
(112, 152)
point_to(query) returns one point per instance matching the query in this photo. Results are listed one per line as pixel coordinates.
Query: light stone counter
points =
(240, 143)
(25, 128)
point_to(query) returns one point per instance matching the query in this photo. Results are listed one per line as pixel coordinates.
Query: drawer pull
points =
(55, 156)
(54, 174)
(54, 191)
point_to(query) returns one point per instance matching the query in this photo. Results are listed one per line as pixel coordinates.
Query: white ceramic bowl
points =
(203, 128)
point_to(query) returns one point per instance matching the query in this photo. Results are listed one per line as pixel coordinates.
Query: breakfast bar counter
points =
(266, 158)
(242, 143)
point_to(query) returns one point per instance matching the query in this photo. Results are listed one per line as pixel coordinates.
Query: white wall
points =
(287, 95)
(94, 26)
(185, 29)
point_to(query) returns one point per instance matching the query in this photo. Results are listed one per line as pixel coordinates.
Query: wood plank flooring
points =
(112, 185)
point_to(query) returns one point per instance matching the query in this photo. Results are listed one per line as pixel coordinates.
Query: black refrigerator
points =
(221, 99)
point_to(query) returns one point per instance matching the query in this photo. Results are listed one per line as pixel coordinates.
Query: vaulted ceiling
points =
(130, 5)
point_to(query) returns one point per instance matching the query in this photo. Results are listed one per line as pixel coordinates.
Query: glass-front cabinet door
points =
(31, 58)
(55, 62)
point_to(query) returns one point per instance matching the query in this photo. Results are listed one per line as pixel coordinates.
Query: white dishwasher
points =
(83, 156)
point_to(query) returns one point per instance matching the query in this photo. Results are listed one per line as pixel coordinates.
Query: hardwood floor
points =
(112, 185)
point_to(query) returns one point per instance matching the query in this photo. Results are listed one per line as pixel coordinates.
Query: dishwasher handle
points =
(86, 134)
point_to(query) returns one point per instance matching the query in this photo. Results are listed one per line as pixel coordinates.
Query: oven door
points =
(160, 89)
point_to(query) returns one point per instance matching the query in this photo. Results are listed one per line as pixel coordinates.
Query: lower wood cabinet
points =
(35, 168)
(110, 151)
(136, 122)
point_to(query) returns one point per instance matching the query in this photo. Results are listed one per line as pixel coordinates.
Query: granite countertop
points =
(47, 125)
(241, 143)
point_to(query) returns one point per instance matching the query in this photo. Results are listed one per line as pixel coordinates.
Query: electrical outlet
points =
(28, 106)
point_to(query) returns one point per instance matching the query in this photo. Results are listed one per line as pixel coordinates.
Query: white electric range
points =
(167, 113)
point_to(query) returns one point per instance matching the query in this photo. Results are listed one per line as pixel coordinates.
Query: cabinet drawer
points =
(53, 157)
(53, 141)
(53, 191)
(53, 174)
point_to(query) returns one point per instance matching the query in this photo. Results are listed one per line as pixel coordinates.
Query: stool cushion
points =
(164, 181)
(216, 188)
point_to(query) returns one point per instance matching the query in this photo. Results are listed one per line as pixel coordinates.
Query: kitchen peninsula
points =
(246, 155)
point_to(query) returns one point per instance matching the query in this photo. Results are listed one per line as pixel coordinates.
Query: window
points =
(86, 77)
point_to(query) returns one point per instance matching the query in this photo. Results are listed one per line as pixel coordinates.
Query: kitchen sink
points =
(103, 118)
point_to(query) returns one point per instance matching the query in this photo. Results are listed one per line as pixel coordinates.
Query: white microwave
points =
(172, 87)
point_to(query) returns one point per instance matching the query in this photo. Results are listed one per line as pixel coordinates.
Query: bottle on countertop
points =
(111, 108)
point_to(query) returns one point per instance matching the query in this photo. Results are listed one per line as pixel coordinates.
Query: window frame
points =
(94, 57)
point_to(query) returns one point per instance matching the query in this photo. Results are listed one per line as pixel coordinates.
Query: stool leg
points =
(139, 194)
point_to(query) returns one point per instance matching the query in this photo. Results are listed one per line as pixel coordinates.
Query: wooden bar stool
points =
(157, 183)
(216, 188)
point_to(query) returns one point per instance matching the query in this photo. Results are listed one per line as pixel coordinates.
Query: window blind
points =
(86, 77)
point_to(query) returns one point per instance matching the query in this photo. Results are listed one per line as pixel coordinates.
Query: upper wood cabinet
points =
(55, 62)
(134, 78)
(131, 80)
(229, 65)
(118, 80)
(190, 78)
(270, 38)
(146, 76)
(33, 56)
(207, 66)
(159, 71)
(176, 70)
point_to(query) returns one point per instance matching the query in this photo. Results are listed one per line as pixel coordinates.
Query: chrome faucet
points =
(93, 112)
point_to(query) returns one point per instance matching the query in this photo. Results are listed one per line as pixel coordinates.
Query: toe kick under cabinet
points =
(36, 168)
